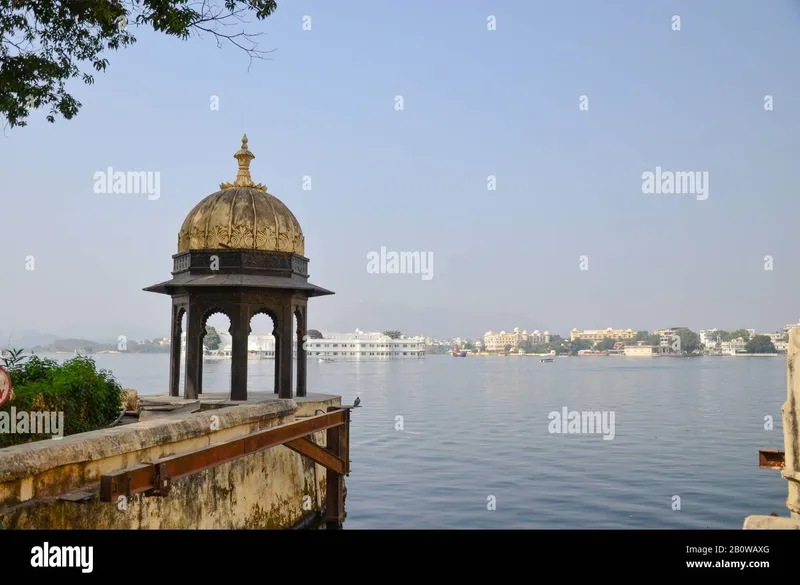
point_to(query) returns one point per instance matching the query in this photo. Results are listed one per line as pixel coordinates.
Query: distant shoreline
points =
(80, 351)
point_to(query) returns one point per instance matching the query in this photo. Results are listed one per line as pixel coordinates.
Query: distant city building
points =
(663, 332)
(537, 338)
(601, 334)
(709, 337)
(225, 341)
(356, 346)
(733, 346)
(752, 332)
(361, 346)
(668, 344)
(639, 351)
(499, 341)
(515, 339)
(668, 331)
(666, 339)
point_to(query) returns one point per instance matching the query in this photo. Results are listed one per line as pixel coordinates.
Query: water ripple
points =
(475, 430)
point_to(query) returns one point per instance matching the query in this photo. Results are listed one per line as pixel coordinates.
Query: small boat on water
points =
(548, 357)
(324, 360)
(456, 353)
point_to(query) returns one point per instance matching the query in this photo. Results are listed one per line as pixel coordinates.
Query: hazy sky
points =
(477, 102)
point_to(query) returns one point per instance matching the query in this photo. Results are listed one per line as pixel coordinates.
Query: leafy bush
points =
(10, 357)
(90, 399)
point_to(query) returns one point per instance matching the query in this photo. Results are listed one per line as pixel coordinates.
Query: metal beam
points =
(337, 443)
(319, 455)
(126, 482)
(155, 478)
(771, 458)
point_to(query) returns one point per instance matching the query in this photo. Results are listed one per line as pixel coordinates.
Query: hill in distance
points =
(25, 339)
(70, 345)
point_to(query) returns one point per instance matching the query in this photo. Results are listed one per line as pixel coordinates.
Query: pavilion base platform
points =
(157, 405)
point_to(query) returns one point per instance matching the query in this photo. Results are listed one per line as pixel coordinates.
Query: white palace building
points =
(356, 346)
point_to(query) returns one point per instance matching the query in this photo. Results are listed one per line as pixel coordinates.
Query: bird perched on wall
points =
(357, 401)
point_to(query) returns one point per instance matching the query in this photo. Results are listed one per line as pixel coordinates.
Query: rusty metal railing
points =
(156, 478)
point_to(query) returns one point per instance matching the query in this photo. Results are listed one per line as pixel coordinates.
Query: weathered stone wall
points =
(54, 484)
(791, 445)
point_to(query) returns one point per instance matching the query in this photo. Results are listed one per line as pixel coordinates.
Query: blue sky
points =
(477, 102)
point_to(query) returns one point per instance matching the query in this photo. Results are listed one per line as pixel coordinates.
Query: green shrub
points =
(90, 399)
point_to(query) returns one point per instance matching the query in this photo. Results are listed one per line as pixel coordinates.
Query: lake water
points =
(476, 431)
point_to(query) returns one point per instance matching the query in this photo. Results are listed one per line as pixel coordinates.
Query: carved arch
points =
(210, 312)
(263, 310)
(180, 311)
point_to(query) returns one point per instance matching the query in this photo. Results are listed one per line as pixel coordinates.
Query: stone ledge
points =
(308, 406)
(770, 523)
(31, 459)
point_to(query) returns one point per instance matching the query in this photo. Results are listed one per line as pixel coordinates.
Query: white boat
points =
(548, 357)
(324, 360)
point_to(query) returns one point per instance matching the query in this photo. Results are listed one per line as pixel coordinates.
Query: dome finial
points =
(243, 178)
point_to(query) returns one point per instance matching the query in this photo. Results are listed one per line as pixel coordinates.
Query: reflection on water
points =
(436, 438)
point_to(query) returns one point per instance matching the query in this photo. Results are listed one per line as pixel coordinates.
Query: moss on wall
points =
(263, 490)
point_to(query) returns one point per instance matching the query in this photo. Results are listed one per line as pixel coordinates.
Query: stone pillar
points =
(194, 355)
(175, 352)
(791, 424)
(286, 339)
(240, 331)
(201, 351)
(276, 333)
(301, 351)
(791, 445)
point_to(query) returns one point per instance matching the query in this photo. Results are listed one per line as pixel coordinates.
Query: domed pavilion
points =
(240, 253)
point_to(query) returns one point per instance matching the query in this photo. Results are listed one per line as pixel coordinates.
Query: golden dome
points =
(242, 215)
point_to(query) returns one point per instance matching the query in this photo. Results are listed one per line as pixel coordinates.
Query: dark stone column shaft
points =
(175, 353)
(301, 352)
(286, 357)
(240, 331)
(276, 333)
(194, 355)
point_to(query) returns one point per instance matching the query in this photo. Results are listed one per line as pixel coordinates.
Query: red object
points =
(5, 386)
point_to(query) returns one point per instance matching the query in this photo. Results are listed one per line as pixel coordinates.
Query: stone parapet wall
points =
(54, 484)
